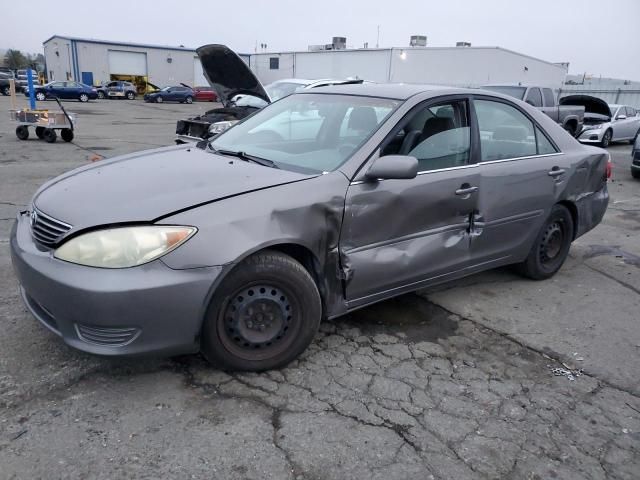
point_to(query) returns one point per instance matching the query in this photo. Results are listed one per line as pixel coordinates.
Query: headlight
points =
(220, 127)
(123, 247)
(592, 127)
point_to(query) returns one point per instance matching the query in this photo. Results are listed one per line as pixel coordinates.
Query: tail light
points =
(609, 168)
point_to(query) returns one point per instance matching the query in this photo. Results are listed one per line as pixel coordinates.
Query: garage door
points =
(198, 76)
(127, 63)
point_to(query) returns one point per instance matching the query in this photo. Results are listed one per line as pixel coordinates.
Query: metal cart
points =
(45, 122)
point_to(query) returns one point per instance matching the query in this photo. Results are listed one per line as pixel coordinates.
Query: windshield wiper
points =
(246, 157)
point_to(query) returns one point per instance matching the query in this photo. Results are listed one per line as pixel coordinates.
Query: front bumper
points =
(591, 136)
(147, 309)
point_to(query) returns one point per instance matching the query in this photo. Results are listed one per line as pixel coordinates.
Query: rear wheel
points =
(551, 246)
(264, 314)
(131, 95)
(22, 132)
(189, 99)
(6, 91)
(66, 134)
(83, 97)
(635, 173)
(101, 95)
(40, 132)
(606, 139)
(49, 135)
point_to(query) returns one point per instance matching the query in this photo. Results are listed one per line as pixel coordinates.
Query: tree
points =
(14, 59)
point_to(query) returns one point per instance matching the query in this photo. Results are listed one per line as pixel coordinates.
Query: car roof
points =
(298, 81)
(615, 105)
(398, 91)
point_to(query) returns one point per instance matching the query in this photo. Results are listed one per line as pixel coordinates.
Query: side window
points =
(438, 136)
(534, 97)
(631, 112)
(549, 97)
(505, 132)
(545, 147)
(274, 63)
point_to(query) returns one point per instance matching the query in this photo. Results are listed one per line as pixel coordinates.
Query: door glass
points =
(438, 136)
(549, 98)
(534, 98)
(545, 147)
(505, 132)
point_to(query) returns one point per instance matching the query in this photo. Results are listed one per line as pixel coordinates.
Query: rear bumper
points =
(146, 309)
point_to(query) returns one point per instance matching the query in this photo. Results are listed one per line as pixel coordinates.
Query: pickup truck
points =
(570, 117)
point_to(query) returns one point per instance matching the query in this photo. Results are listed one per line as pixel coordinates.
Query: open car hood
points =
(228, 74)
(590, 104)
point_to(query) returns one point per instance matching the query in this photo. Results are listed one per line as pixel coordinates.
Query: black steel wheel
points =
(263, 315)
(101, 95)
(551, 246)
(49, 135)
(131, 95)
(22, 132)
(606, 139)
(40, 132)
(66, 134)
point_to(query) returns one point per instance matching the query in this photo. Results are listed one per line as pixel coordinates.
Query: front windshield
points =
(277, 90)
(516, 92)
(308, 132)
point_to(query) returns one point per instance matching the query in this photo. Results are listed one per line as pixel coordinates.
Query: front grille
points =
(107, 336)
(47, 230)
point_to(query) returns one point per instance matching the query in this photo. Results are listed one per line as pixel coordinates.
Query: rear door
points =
(398, 235)
(520, 173)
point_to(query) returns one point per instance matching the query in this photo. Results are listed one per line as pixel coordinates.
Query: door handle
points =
(556, 172)
(466, 189)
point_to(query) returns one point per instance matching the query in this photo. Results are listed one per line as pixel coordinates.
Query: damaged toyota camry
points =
(319, 204)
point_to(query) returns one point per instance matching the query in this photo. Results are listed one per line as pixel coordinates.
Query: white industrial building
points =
(456, 66)
(94, 61)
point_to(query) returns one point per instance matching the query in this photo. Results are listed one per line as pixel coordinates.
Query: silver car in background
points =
(616, 123)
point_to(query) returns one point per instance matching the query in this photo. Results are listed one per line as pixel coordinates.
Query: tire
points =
(635, 174)
(263, 315)
(22, 132)
(41, 97)
(159, 99)
(189, 99)
(101, 95)
(66, 134)
(49, 135)
(131, 96)
(40, 132)
(83, 97)
(606, 139)
(6, 91)
(551, 246)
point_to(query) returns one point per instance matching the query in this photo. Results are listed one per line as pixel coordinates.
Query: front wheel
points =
(101, 95)
(22, 132)
(66, 134)
(41, 97)
(6, 91)
(159, 99)
(49, 135)
(606, 139)
(40, 132)
(264, 314)
(83, 97)
(551, 246)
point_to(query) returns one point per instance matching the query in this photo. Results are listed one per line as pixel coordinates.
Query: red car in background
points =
(205, 94)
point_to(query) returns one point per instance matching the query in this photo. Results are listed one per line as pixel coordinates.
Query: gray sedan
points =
(321, 203)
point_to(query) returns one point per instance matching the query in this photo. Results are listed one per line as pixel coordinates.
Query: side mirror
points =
(621, 117)
(393, 167)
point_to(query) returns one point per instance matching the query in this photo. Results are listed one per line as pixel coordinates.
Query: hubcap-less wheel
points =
(66, 134)
(40, 96)
(256, 322)
(22, 132)
(551, 243)
(40, 132)
(606, 139)
(49, 135)
(84, 98)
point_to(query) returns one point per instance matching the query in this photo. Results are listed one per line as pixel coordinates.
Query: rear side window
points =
(505, 132)
(549, 97)
(545, 147)
(631, 112)
(534, 97)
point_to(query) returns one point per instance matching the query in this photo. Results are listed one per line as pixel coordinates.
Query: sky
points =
(597, 37)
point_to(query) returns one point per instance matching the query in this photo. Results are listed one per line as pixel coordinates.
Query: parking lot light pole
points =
(32, 98)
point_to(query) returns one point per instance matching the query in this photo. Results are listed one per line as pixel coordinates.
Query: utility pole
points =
(378, 38)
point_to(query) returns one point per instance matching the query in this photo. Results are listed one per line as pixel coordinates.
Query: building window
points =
(274, 63)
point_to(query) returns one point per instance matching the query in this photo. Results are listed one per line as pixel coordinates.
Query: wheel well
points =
(573, 210)
(572, 125)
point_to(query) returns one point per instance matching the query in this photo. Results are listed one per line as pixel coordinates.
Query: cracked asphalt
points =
(454, 383)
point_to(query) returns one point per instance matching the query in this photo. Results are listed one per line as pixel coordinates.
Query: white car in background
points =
(606, 123)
